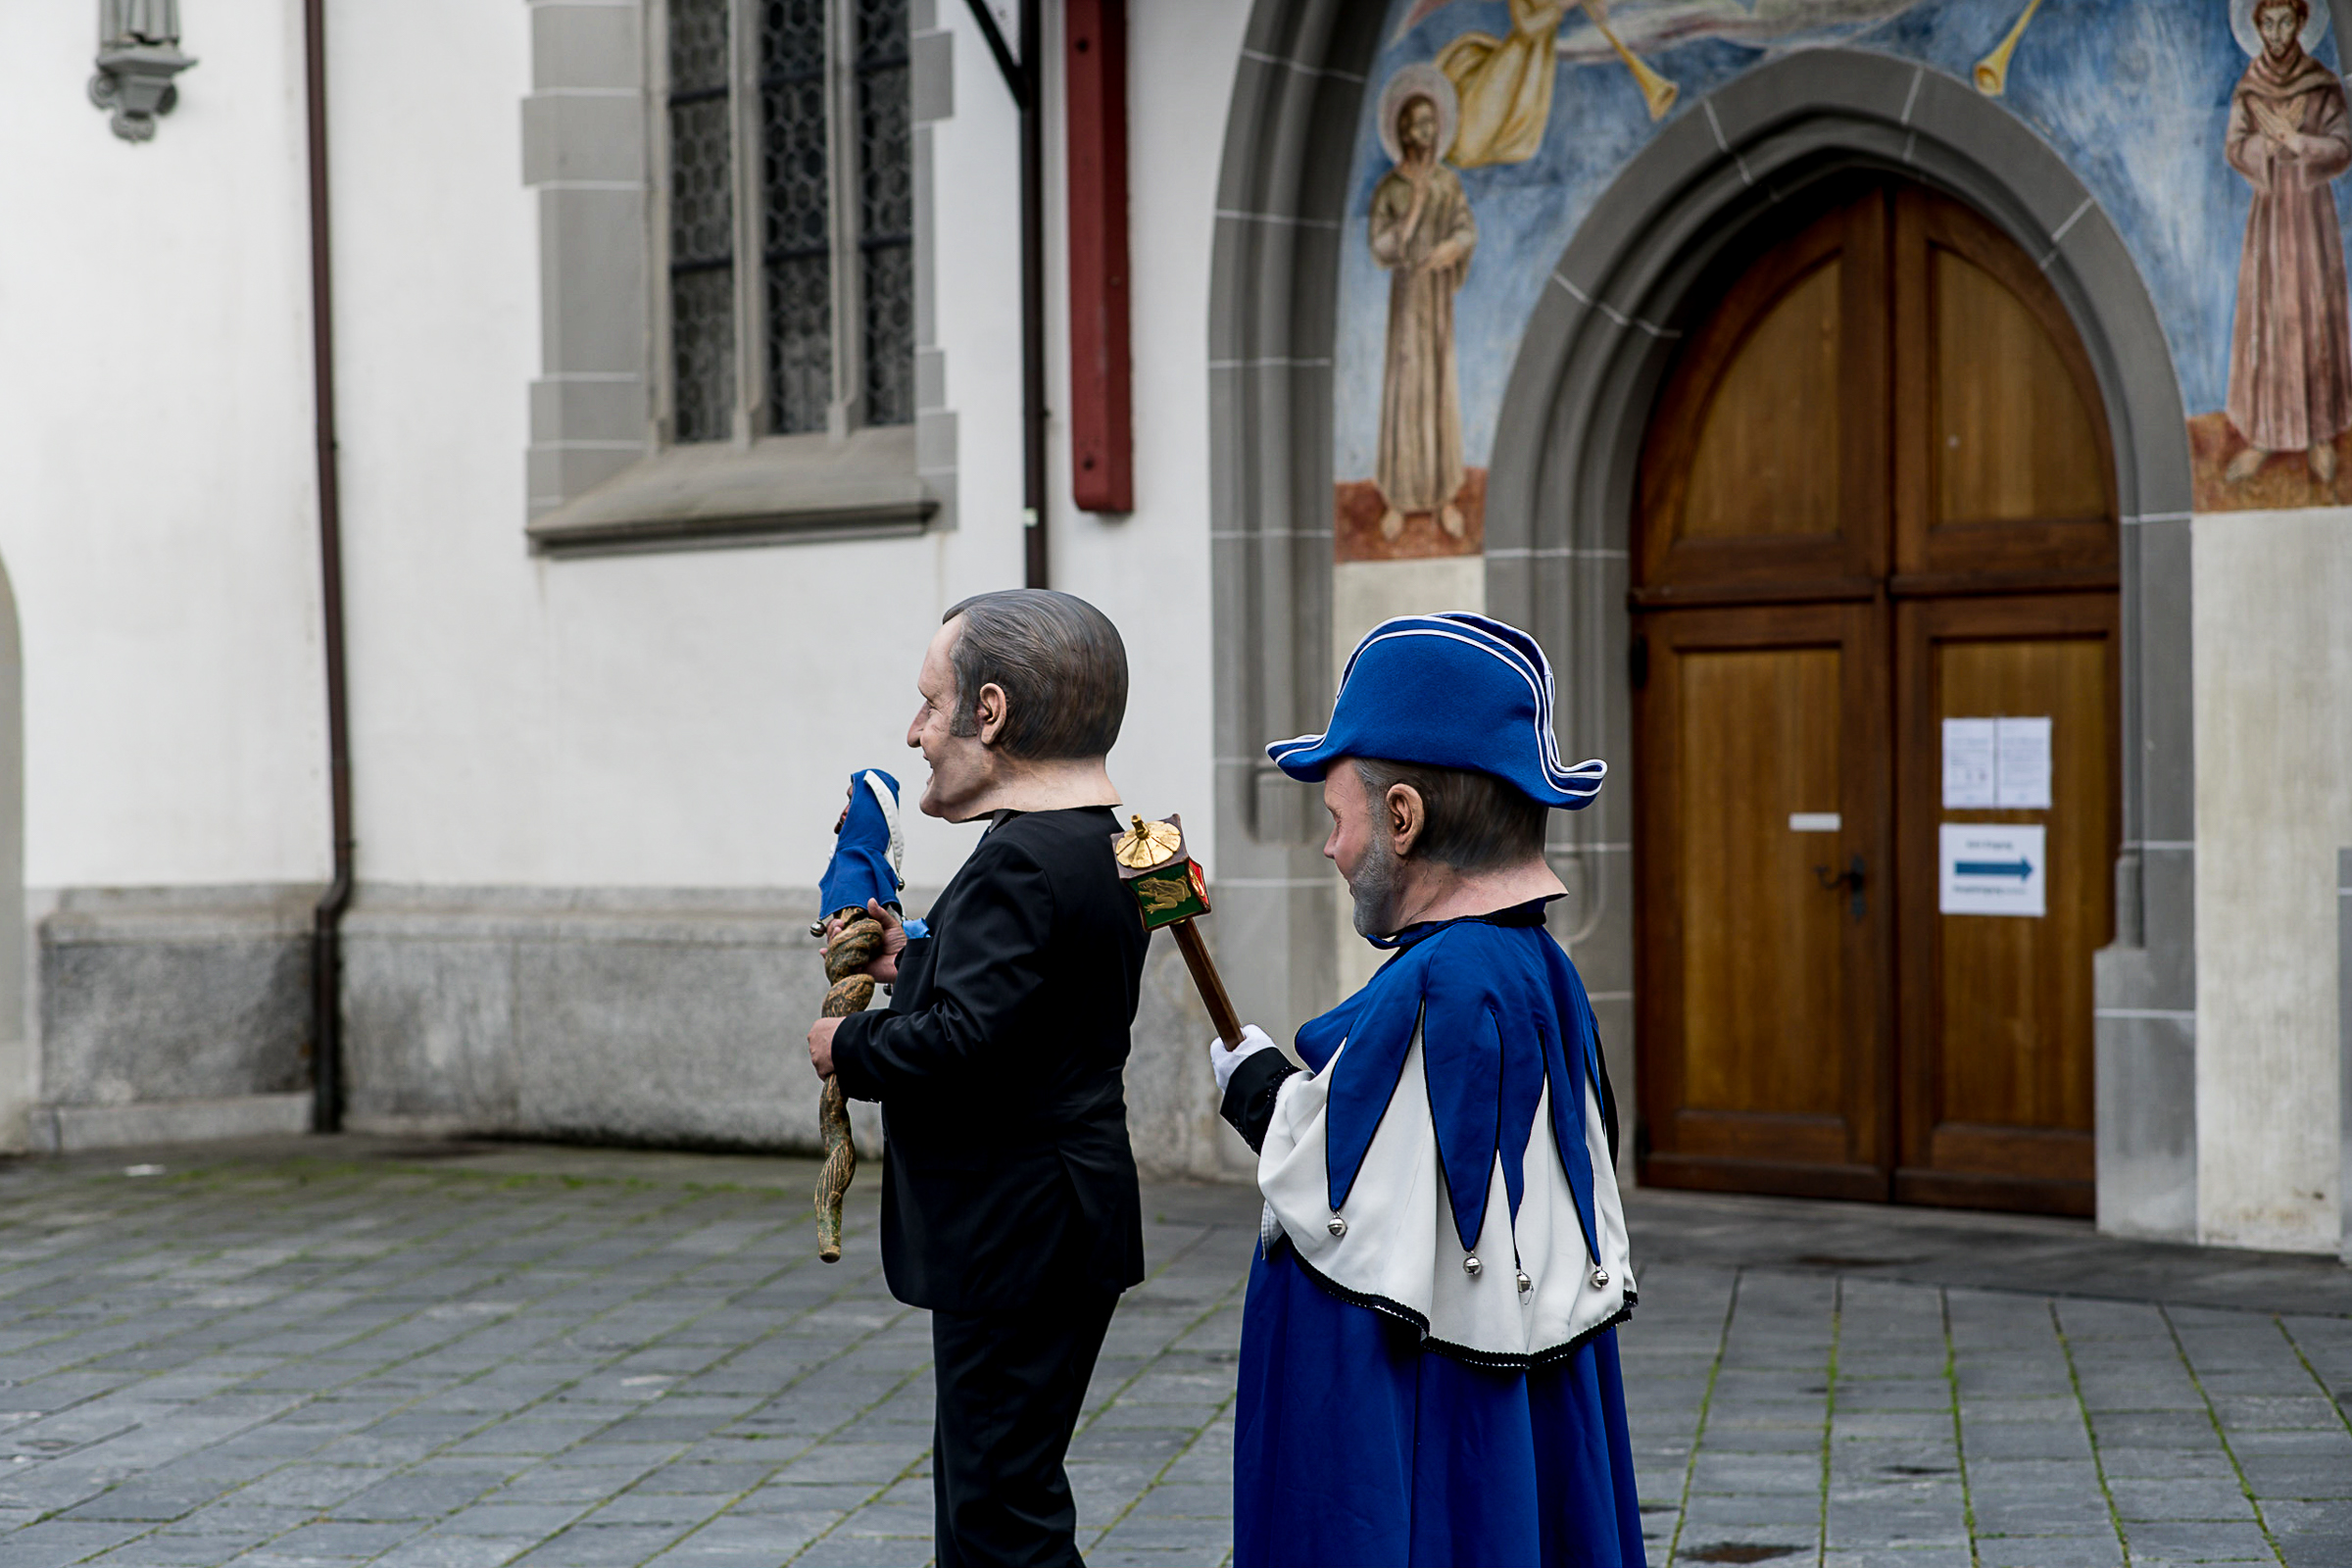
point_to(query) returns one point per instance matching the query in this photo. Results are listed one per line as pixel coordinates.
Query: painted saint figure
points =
(2290, 353)
(1423, 233)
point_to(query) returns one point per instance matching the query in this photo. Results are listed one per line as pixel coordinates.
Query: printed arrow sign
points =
(1993, 869)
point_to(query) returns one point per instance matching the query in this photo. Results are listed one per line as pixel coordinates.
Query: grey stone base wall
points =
(658, 1016)
(168, 995)
(651, 1016)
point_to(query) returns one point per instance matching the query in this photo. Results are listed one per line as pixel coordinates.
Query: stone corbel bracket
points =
(138, 55)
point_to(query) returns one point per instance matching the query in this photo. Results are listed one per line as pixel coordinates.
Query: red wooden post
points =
(1101, 400)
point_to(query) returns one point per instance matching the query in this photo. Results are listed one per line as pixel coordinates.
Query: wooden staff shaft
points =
(1209, 982)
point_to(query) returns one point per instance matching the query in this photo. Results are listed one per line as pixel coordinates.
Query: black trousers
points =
(1010, 1388)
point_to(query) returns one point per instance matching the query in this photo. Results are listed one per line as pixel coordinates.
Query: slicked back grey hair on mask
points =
(1059, 662)
(1470, 820)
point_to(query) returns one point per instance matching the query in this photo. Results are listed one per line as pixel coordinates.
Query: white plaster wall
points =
(155, 450)
(682, 720)
(689, 720)
(2273, 748)
(1150, 569)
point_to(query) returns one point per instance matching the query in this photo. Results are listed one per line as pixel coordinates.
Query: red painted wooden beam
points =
(1102, 397)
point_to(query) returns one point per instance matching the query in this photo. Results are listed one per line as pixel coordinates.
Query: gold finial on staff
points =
(1992, 71)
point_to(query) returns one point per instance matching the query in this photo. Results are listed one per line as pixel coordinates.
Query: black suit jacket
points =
(1006, 1172)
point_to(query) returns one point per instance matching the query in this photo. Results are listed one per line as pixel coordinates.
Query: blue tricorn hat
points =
(866, 854)
(1451, 690)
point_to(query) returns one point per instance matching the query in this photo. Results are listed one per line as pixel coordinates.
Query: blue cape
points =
(1352, 1444)
(1501, 973)
(861, 867)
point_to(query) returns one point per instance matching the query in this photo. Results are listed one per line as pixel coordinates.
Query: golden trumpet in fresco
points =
(1657, 90)
(1992, 71)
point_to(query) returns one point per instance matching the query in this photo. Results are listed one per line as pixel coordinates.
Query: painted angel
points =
(1504, 85)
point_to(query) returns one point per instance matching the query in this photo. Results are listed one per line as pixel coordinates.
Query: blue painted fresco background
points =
(2133, 94)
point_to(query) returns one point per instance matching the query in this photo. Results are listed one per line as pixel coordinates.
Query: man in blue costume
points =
(1429, 1369)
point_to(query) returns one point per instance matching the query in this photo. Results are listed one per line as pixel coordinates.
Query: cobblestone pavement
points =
(457, 1357)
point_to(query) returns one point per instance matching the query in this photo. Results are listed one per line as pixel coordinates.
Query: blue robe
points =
(1357, 1442)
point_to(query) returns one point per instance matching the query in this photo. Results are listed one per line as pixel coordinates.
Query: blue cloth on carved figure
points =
(1429, 1370)
(867, 850)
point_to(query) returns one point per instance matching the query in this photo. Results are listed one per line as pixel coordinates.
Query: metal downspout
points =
(326, 1037)
(1034, 567)
(1025, 79)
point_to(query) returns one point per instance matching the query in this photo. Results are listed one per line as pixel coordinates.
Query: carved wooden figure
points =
(847, 954)
(868, 852)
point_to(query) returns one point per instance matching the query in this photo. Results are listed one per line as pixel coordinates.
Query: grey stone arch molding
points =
(1561, 490)
(1274, 270)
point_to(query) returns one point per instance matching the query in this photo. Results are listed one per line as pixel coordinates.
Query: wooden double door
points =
(1876, 495)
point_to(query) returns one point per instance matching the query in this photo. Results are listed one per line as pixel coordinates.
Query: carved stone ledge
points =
(780, 490)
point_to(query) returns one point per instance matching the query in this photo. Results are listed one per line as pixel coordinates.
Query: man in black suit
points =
(1009, 1206)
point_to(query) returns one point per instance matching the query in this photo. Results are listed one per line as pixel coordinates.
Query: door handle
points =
(1852, 878)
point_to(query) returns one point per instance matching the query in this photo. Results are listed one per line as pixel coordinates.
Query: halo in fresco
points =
(2242, 23)
(1420, 80)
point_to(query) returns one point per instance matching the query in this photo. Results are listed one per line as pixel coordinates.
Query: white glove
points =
(1222, 1060)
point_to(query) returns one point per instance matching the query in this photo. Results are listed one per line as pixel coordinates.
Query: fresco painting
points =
(2290, 351)
(2211, 146)
(1423, 233)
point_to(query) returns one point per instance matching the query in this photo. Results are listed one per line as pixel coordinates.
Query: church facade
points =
(1914, 428)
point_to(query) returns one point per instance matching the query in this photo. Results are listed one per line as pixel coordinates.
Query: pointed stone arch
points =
(1560, 484)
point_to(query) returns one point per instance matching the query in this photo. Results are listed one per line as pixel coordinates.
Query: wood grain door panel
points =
(2002, 462)
(1759, 985)
(1756, 474)
(1877, 492)
(1996, 1028)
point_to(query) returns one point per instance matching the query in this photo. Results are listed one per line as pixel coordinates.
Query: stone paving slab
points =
(323, 1352)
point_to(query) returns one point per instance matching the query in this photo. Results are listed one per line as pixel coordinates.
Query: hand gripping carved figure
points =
(1429, 1367)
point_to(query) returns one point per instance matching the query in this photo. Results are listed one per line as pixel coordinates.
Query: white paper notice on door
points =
(1996, 763)
(1991, 868)
(1971, 763)
(2022, 763)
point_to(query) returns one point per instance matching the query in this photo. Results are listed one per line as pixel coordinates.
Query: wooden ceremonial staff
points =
(847, 954)
(1170, 890)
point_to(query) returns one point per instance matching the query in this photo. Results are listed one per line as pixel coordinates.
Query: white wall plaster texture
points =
(689, 720)
(155, 319)
(1150, 571)
(2274, 716)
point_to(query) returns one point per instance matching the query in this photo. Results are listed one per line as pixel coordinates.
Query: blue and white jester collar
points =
(1500, 1013)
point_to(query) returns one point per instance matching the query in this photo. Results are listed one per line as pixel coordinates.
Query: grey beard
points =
(1374, 887)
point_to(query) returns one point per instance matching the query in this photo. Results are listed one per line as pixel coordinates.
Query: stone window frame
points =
(602, 475)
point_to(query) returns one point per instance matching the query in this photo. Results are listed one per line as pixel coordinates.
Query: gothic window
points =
(790, 217)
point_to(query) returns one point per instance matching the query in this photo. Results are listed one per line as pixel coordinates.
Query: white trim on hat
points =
(1582, 781)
